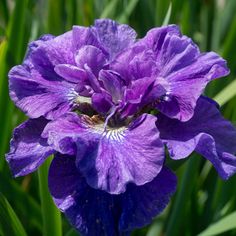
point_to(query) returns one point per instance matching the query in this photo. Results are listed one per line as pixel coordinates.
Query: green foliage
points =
(227, 93)
(203, 202)
(51, 215)
(9, 222)
(221, 226)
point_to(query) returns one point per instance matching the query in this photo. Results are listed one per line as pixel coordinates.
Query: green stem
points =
(183, 195)
(51, 215)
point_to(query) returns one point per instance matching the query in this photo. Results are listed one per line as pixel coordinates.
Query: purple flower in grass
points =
(106, 104)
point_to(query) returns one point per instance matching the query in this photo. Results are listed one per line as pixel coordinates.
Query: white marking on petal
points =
(116, 134)
(74, 97)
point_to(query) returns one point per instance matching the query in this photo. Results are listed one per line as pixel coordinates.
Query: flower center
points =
(97, 122)
(81, 99)
(115, 134)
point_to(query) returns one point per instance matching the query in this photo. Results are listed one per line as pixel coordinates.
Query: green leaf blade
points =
(168, 15)
(226, 94)
(225, 224)
(9, 222)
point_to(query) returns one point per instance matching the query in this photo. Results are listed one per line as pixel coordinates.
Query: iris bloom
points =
(106, 104)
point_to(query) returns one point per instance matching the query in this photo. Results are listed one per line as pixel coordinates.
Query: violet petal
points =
(28, 150)
(207, 132)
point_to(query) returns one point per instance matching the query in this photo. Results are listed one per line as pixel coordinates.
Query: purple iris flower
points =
(106, 104)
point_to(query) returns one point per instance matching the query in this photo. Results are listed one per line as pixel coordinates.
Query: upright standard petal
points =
(135, 63)
(165, 53)
(58, 50)
(107, 35)
(142, 93)
(91, 56)
(185, 69)
(139, 60)
(95, 212)
(113, 37)
(188, 80)
(102, 102)
(207, 132)
(113, 84)
(110, 159)
(28, 149)
(34, 45)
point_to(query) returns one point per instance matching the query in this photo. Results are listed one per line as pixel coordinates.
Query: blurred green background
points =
(203, 203)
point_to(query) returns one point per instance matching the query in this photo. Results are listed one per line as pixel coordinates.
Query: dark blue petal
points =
(142, 203)
(91, 211)
(95, 212)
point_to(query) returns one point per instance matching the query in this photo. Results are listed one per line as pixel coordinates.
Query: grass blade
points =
(123, 18)
(184, 191)
(72, 232)
(225, 224)
(226, 94)
(30, 210)
(13, 54)
(109, 9)
(51, 215)
(168, 15)
(227, 14)
(56, 16)
(9, 222)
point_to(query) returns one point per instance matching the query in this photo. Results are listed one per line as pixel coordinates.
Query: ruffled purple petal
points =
(135, 63)
(32, 46)
(122, 156)
(186, 70)
(102, 102)
(107, 35)
(207, 132)
(188, 78)
(35, 87)
(155, 38)
(142, 92)
(37, 96)
(141, 203)
(95, 212)
(113, 84)
(58, 50)
(113, 37)
(140, 59)
(28, 149)
(92, 57)
(71, 73)
(84, 36)
(113, 158)
(166, 54)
